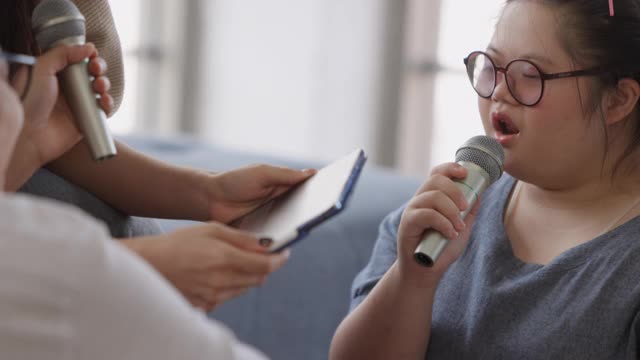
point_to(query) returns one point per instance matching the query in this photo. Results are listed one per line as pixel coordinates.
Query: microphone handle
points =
(433, 242)
(90, 118)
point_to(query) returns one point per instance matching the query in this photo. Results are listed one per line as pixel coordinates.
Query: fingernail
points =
(265, 242)
(308, 171)
(453, 235)
(460, 225)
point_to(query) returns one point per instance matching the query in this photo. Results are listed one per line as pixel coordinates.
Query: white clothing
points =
(68, 291)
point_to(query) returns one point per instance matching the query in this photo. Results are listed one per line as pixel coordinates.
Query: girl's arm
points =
(393, 322)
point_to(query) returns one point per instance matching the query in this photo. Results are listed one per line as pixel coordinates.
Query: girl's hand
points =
(50, 129)
(436, 205)
(209, 264)
(235, 193)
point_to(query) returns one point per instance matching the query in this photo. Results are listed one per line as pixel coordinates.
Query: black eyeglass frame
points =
(19, 59)
(543, 76)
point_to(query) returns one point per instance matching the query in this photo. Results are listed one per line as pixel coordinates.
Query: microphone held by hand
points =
(483, 157)
(59, 22)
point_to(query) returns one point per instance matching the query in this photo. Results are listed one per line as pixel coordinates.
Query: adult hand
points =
(436, 205)
(210, 263)
(235, 193)
(50, 130)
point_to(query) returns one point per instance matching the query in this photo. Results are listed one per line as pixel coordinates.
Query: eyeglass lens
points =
(524, 79)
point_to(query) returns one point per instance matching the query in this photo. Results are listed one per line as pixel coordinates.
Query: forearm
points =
(137, 184)
(394, 322)
(24, 163)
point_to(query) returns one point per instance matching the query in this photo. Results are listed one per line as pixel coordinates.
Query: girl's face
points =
(551, 143)
(11, 119)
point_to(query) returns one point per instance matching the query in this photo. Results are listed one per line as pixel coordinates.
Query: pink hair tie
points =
(611, 8)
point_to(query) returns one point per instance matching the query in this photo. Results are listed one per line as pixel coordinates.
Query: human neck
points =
(589, 186)
(581, 194)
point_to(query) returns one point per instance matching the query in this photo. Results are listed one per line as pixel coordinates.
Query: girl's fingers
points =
(447, 186)
(424, 219)
(451, 170)
(448, 170)
(441, 203)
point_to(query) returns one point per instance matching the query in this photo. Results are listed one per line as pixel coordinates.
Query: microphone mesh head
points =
(485, 152)
(71, 23)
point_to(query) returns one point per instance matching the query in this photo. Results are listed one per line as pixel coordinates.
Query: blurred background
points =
(306, 79)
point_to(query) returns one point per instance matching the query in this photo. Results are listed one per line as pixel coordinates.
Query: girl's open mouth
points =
(503, 125)
(505, 128)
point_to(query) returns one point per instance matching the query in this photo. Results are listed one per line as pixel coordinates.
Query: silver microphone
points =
(483, 157)
(59, 22)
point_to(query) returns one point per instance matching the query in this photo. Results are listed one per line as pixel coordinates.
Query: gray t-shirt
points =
(585, 304)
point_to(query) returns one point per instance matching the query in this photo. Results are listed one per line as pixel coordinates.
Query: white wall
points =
(293, 77)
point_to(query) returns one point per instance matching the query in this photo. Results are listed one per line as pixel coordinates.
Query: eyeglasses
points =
(17, 69)
(525, 80)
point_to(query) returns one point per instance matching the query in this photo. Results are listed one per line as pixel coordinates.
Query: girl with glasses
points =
(546, 264)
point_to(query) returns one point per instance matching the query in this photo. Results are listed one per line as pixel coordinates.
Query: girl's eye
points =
(529, 71)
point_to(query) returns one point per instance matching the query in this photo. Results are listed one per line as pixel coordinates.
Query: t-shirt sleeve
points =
(384, 255)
